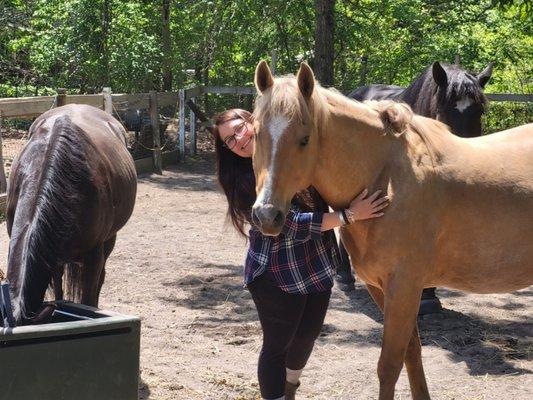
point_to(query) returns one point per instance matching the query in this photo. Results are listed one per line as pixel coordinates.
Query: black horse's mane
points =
(63, 191)
(460, 84)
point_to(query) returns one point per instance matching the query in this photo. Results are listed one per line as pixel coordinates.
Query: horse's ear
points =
(439, 74)
(263, 77)
(485, 75)
(306, 80)
(395, 116)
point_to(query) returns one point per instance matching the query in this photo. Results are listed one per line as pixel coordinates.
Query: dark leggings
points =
(290, 323)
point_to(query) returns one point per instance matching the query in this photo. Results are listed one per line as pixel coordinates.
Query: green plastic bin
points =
(83, 353)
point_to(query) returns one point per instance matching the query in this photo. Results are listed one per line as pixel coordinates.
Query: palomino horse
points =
(461, 212)
(71, 189)
(444, 92)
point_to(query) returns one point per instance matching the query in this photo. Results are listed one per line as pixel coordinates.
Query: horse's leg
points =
(415, 369)
(401, 304)
(58, 282)
(109, 245)
(413, 355)
(93, 265)
(345, 279)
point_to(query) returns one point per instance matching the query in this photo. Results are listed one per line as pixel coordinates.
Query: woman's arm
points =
(303, 226)
(360, 208)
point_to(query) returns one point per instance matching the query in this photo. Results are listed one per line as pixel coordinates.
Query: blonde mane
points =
(284, 98)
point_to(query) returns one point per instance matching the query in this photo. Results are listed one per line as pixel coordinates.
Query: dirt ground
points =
(178, 266)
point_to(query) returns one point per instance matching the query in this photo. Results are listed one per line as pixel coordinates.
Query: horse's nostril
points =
(255, 218)
(278, 219)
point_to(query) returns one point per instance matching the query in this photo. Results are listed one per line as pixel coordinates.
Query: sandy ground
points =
(178, 266)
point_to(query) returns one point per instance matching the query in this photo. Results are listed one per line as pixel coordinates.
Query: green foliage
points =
(506, 115)
(87, 44)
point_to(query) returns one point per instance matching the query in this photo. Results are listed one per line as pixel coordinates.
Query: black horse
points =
(71, 189)
(444, 92)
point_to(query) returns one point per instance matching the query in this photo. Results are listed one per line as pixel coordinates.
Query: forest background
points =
(140, 45)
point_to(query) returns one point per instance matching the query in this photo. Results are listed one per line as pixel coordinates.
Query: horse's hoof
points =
(346, 285)
(429, 306)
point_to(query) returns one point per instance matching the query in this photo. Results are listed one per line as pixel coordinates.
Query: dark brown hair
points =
(236, 177)
(235, 173)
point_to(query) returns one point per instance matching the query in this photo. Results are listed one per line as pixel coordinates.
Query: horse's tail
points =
(72, 282)
(60, 211)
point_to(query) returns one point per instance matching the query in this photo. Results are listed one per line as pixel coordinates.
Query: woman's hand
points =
(363, 207)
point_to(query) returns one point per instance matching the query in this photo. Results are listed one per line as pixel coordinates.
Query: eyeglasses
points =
(238, 132)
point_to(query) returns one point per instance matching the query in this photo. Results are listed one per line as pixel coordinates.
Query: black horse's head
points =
(460, 101)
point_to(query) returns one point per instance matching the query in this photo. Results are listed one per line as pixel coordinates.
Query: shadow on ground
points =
(144, 390)
(221, 294)
(486, 346)
(194, 173)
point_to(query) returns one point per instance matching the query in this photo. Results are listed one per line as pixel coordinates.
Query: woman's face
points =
(238, 136)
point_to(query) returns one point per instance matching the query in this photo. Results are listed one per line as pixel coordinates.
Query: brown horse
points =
(71, 189)
(461, 212)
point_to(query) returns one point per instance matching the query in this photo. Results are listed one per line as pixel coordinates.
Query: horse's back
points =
(95, 123)
(522, 135)
(376, 92)
(505, 155)
(77, 152)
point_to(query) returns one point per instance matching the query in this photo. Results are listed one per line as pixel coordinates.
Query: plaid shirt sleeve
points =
(303, 226)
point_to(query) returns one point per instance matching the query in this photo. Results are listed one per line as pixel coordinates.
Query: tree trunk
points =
(324, 53)
(363, 70)
(166, 46)
(106, 22)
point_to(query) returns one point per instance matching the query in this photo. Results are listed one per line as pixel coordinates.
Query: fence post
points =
(363, 70)
(61, 97)
(181, 117)
(3, 181)
(273, 66)
(154, 119)
(108, 100)
(192, 124)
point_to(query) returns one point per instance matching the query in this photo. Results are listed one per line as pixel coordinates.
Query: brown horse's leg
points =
(401, 302)
(58, 282)
(413, 355)
(109, 245)
(93, 265)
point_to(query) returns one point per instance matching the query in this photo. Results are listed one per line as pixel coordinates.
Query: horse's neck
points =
(353, 152)
(421, 96)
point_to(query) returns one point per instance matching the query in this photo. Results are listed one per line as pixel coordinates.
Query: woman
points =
(289, 276)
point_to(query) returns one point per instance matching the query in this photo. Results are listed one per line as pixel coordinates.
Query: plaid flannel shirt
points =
(301, 259)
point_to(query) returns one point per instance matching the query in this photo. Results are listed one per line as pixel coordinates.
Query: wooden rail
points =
(520, 98)
(28, 107)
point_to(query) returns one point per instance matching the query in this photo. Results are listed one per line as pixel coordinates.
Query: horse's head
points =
(286, 149)
(460, 99)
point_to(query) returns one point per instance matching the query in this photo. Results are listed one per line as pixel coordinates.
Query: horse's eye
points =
(304, 141)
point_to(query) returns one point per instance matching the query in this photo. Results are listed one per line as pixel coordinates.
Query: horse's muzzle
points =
(268, 218)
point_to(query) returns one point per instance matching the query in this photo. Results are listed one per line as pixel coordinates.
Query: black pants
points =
(291, 323)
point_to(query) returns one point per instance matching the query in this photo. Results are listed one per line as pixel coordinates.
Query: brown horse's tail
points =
(55, 215)
(72, 282)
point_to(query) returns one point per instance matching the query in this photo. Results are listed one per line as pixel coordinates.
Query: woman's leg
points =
(308, 330)
(280, 314)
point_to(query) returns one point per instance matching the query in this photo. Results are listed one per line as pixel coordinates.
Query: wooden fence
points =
(183, 100)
